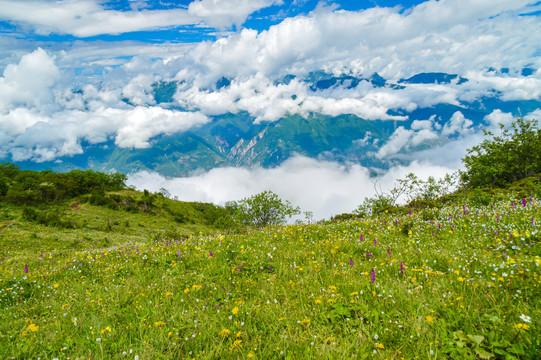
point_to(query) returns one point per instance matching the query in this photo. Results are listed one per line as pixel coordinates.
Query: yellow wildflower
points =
(237, 344)
(235, 310)
(33, 327)
(225, 332)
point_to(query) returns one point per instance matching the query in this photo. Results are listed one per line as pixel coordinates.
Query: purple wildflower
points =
(375, 241)
(389, 252)
(350, 262)
(524, 202)
(373, 275)
(240, 267)
(26, 269)
(369, 255)
(361, 238)
(402, 268)
(178, 253)
(410, 212)
(210, 253)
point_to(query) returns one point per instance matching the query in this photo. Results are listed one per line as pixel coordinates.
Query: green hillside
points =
(458, 282)
(90, 269)
(123, 274)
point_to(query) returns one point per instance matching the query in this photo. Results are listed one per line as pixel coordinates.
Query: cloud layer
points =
(325, 188)
(52, 101)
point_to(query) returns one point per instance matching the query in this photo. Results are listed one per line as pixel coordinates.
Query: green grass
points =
(470, 288)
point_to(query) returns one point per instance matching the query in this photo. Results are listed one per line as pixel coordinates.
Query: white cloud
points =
(398, 140)
(224, 13)
(382, 40)
(535, 115)
(457, 124)
(423, 131)
(84, 18)
(45, 138)
(326, 188)
(499, 117)
(29, 82)
(139, 90)
(143, 123)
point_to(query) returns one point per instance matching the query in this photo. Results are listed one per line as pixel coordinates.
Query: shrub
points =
(264, 209)
(501, 160)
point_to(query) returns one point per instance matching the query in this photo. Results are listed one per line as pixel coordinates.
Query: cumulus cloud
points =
(457, 124)
(325, 188)
(267, 101)
(84, 18)
(143, 123)
(423, 131)
(45, 138)
(224, 13)
(499, 117)
(28, 83)
(382, 40)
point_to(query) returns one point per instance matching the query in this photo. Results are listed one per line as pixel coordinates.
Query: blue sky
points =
(260, 19)
(78, 72)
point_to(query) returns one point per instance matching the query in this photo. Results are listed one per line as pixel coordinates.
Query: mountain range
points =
(236, 140)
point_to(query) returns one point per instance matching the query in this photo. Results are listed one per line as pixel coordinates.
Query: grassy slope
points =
(99, 226)
(470, 288)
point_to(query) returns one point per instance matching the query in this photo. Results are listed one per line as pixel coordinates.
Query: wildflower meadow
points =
(458, 282)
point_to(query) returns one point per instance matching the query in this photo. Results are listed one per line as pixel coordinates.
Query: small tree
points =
(264, 209)
(500, 160)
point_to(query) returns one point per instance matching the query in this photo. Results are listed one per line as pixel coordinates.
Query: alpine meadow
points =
(103, 272)
(270, 179)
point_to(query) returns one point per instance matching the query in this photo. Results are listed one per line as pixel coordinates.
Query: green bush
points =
(264, 209)
(50, 217)
(501, 160)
